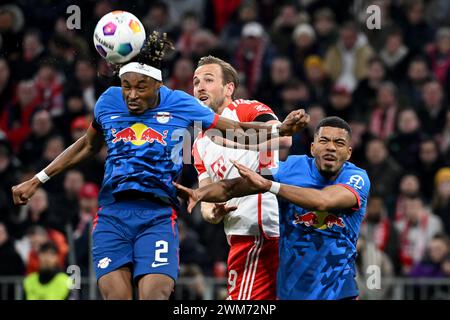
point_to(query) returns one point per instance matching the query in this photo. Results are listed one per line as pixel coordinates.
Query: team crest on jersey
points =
(103, 263)
(163, 117)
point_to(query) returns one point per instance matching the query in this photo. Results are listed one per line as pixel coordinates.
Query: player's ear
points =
(313, 149)
(349, 153)
(229, 87)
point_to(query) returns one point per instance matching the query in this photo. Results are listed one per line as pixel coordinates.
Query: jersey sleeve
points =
(198, 162)
(248, 112)
(278, 171)
(356, 181)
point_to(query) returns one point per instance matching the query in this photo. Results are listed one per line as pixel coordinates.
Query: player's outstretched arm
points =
(328, 198)
(294, 122)
(213, 212)
(86, 146)
(218, 192)
(279, 143)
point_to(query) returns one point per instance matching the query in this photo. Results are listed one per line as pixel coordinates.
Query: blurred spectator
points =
(231, 32)
(36, 236)
(366, 91)
(370, 255)
(158, 18)
(439, 55)
(444, 139)
(49, 282)
(253, 55)
(190, 24)
(404, 144)
(41, 130)
(303, 45)
(283, 26)
(431, 265)
(441, 197)
(196, 288)
(417, 32)
(15, 118)
(360, 137)
(270, 88)
(379, 230)
(411, 87)
(6, 85)
(11, 263)
(325, 27)
(395, 56)
(294, 94)
(33, 51)
(416, 229)
(74, 110)
(53, 147)
(430, 161)
(384, 115)
(8, 178)
(347, 60)
(318, 81)
(437, 13)
(340, 103)
(383, 171)
(85, 83)
(65, 204)
(191, 251)
(204, 43)
(88, 204)
(178, 9)
(433, 111)
(11, 24)
(409, 185)
(49, 84)
(182, 74)
(218, 13)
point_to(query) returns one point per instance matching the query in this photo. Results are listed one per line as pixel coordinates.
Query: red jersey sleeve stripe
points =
(346, 186)
(216, 118)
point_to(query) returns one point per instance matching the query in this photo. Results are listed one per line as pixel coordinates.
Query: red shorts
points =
(252, 268)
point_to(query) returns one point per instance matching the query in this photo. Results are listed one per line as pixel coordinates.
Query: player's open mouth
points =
(203, 98)
(329, 157)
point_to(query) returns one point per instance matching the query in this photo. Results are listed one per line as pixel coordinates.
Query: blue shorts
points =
(139, 233)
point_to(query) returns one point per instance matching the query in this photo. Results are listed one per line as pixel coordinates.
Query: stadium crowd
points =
(392, 85)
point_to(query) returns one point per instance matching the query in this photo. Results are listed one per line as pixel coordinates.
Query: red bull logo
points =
(319, 220)
(308, 219)
(139, 134)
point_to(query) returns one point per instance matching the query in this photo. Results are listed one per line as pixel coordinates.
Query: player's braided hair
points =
(152, 52)
(154, 49)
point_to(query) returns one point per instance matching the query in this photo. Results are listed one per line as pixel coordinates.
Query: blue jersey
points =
(318, 249)
(144, 151)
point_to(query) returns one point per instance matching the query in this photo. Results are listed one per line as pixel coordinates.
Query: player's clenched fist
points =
(294, 122)
(24, 191)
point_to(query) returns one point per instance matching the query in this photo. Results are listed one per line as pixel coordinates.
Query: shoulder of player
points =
(352, 168)
(244, 104)
(111, 97)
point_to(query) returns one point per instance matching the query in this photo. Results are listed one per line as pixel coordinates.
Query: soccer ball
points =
(119, 36)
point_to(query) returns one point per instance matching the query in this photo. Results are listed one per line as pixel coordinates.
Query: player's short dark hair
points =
(229, 73)
(334, 122)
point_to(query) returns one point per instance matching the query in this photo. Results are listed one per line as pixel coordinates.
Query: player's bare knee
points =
(114, 295)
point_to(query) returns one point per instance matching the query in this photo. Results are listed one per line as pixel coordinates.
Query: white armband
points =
(275, 187)
(275, 130)
(42, 176)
